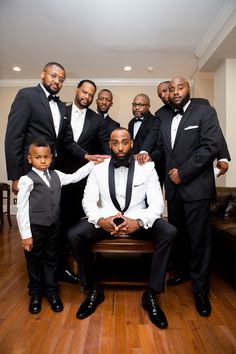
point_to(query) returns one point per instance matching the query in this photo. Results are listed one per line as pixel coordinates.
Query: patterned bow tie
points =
(54, 98)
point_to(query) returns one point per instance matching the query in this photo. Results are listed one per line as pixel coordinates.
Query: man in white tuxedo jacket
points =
(121, 190)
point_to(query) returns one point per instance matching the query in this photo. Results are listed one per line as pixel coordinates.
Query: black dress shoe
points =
(178, 279)
(95, 297)
(203, 304)
(55, 302)
(155, 313)
(68, 276)
(35, 304)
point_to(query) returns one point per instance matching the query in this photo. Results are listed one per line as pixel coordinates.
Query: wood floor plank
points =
(119, 326)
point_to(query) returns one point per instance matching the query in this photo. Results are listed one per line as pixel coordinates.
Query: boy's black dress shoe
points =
(68, 276)
(55, 302)
(35, 304)
(95, 297)
(177, 279)
(203, 304)
(155, 313)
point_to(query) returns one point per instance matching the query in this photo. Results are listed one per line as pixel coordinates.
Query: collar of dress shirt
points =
(40, 173)
(77, 109)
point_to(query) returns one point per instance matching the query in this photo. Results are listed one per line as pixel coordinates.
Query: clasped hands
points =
(129, 226)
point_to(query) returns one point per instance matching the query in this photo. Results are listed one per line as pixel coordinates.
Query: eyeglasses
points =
(134, 104)
(55, 76)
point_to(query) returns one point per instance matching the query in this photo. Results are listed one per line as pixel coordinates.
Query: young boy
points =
(38, 222)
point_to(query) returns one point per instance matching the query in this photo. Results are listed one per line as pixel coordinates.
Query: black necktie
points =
(48, 178)
(54, 98)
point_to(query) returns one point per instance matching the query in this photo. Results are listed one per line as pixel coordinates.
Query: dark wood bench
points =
(122, 254)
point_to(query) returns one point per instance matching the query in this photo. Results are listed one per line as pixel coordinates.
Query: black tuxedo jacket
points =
(110, 124)
(160, 114)
(142, 141)
(196, 145)
(30, 118)
(94, 139)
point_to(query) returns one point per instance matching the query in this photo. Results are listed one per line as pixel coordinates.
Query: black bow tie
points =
(178, 111)
(138, 120)
(54, 98)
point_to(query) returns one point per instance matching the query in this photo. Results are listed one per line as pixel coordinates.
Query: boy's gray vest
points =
(44, 201)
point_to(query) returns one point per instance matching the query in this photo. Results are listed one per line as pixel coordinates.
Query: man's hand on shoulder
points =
(142, 158)
(96, 158)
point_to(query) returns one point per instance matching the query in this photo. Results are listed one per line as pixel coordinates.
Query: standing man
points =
(142, 126)
(190, 140)
(130, 188)
(89, 132)
(37, 112)
(223, 156)
(104, 102)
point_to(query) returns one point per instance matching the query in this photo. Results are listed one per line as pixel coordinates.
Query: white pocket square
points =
(191, 127)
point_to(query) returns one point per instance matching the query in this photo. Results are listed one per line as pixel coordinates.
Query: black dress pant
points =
(83, 234)
(192, 247)
(42, 260)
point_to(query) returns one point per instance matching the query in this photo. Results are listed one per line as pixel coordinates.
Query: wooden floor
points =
(119, 326)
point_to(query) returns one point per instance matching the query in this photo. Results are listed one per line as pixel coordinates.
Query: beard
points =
(121, 161)
(51, 90)
(182, 103)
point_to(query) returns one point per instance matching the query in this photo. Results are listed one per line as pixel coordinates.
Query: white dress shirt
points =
(175, 124)
(77, 121)
(56, 115)
(26, 185)
(136, 127)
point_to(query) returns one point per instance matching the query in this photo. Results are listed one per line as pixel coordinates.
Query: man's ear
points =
(132, 144)
(110, 144)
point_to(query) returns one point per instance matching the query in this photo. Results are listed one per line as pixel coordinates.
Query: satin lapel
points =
(129, 184)
(87, 122)
(181, 124)
(62, 111)
(112, 188)
(44, 100)
(167, 132)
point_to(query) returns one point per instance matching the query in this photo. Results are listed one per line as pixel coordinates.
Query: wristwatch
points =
(141, 223)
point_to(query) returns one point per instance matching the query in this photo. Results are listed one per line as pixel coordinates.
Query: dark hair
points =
(41, 141)
(89, 81)
(121, 128)
(163, 82)
(106, 90)
(51, 63)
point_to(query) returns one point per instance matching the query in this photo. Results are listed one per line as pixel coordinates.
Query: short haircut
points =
(106, 90)
(51, 63)
(121, 128)
(164, 82)
(40, 142)
(89, 81)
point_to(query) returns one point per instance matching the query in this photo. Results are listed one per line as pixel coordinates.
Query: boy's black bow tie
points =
(54, 98)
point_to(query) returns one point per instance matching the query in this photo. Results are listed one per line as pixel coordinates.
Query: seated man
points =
(115, 203)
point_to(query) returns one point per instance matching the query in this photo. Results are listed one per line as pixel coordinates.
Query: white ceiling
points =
(96, 38)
